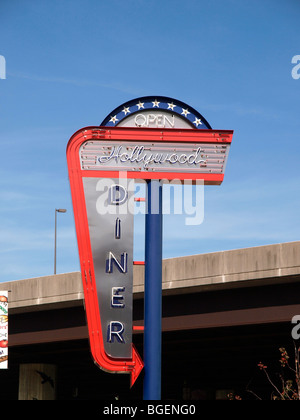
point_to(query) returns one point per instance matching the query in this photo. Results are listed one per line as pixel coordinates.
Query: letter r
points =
(115, 330)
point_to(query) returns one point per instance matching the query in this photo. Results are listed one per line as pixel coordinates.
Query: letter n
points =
(121, 265)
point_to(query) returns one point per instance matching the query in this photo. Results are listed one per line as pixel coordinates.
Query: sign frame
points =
(151, 135)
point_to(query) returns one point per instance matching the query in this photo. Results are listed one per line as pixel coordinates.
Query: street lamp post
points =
(56, 211)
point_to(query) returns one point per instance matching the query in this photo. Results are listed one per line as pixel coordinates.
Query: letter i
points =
(118, 229)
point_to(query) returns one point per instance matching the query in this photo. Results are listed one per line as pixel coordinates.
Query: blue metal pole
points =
(153, 292)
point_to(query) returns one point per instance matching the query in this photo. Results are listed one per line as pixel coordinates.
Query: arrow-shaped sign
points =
(95, 154)
(104, 227)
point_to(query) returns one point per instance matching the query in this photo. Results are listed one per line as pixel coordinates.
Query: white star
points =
(140, 105)
(114, 119)
(126, 110)
(185, 112)
(171, 106)
(155, 103)
(197, 121)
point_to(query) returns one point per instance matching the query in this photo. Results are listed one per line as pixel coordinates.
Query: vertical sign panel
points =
(110, 218)
(3, 329)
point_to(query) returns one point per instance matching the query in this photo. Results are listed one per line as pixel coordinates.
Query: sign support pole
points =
(153, 292)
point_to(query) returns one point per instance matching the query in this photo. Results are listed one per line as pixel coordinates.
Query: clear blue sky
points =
(70, 63)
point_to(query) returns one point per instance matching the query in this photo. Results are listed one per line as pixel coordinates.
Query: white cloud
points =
(124, 88)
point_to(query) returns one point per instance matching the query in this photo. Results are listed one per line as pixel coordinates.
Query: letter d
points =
(117, 194)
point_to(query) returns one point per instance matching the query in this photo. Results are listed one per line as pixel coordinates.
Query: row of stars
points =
(155, 103)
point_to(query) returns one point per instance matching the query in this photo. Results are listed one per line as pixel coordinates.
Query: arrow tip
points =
(137, 367)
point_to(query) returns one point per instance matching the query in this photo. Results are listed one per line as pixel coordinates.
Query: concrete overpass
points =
(202, 294)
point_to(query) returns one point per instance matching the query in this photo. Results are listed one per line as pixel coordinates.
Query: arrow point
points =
(137, 367)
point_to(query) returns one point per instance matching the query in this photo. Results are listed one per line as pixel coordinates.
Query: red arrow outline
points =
(135, 364)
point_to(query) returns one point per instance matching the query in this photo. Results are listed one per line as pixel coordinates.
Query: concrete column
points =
(37, 381)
